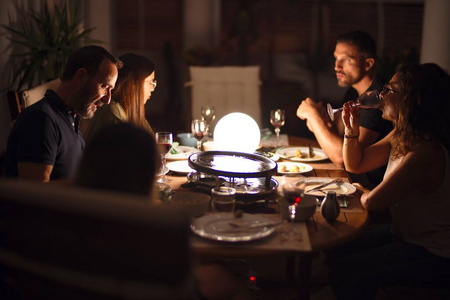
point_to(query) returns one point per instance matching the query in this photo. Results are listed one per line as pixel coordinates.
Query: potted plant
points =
(42, 43)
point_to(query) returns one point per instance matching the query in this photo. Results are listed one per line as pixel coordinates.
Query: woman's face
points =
(391, 98)
(149, 86)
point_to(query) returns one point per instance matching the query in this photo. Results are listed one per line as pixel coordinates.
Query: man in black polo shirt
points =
(45, 142)
(354, 65)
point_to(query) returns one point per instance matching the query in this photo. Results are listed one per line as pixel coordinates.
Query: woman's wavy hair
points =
(129, 90)
(423, 112)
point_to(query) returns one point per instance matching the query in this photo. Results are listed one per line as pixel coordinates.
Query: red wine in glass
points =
(164, 141)
(164, 148)
(277, 124)
(199, 130)
(199, 135)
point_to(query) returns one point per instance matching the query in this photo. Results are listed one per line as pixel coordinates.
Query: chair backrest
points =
(85, 242)
(229, 89)
(17, 101)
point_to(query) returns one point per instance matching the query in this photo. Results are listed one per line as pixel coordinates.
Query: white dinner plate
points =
(342, 188)
(291, 154)
(217, 227)
(287, 166)
(183, 153)
(180, 166)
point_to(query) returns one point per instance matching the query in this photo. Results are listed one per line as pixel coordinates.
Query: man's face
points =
(97, 90)
(349, 65)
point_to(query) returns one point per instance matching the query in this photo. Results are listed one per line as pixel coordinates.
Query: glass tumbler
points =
(223, 199)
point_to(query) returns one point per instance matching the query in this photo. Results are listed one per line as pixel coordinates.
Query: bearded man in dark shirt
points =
(45, 142)
(354, 54)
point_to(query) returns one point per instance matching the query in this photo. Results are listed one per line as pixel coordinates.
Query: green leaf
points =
(42, 43)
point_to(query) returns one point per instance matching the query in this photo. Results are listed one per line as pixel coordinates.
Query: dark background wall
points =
(292, 41)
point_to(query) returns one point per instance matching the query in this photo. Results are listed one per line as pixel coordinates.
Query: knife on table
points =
(337, 180)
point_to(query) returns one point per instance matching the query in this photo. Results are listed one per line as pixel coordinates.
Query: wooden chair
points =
(229, 89)
(17, 101)
(61, 242)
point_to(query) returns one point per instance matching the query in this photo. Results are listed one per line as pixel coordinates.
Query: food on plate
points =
(294, 169)
(298, 153)
(290, 168)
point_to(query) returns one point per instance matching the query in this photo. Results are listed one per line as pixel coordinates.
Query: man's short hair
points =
(90, 58)
(361, 40)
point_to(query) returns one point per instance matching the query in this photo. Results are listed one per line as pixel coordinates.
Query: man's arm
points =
(34, 171)
(329, 135)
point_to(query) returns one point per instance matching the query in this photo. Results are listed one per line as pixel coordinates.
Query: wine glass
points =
(293, 197)
(164, 141)
(368, 100)
(277, 120)
(199, 130)
(208, 113)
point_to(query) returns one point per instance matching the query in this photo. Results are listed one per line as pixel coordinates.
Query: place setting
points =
(302, 154)
(319, 187)
(228, 224)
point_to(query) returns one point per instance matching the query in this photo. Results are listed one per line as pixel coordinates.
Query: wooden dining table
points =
(322, 235)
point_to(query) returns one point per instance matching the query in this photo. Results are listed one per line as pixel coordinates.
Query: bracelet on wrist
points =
(351, 136)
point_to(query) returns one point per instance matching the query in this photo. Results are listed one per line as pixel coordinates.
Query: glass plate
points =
(217, 227)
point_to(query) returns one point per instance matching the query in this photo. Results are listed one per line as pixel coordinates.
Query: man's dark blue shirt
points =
(46, 132)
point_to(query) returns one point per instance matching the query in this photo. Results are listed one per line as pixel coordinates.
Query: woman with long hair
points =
(134, 87)
(415, 249)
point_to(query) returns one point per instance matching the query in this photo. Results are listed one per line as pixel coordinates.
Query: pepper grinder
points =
(330, 207)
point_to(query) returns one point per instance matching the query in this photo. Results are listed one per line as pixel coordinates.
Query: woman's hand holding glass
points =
(351, 117)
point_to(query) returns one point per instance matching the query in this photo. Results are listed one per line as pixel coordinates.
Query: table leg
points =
(304, 268)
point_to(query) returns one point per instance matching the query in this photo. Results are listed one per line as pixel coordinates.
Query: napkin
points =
(173, 150)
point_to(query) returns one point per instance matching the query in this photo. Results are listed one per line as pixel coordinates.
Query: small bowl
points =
(187, 139)
(305, 209)
(195, 204)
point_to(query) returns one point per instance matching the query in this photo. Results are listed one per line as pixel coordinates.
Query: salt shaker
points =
(330, 207)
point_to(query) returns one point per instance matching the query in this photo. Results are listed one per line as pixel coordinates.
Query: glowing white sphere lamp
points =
(237, 132)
